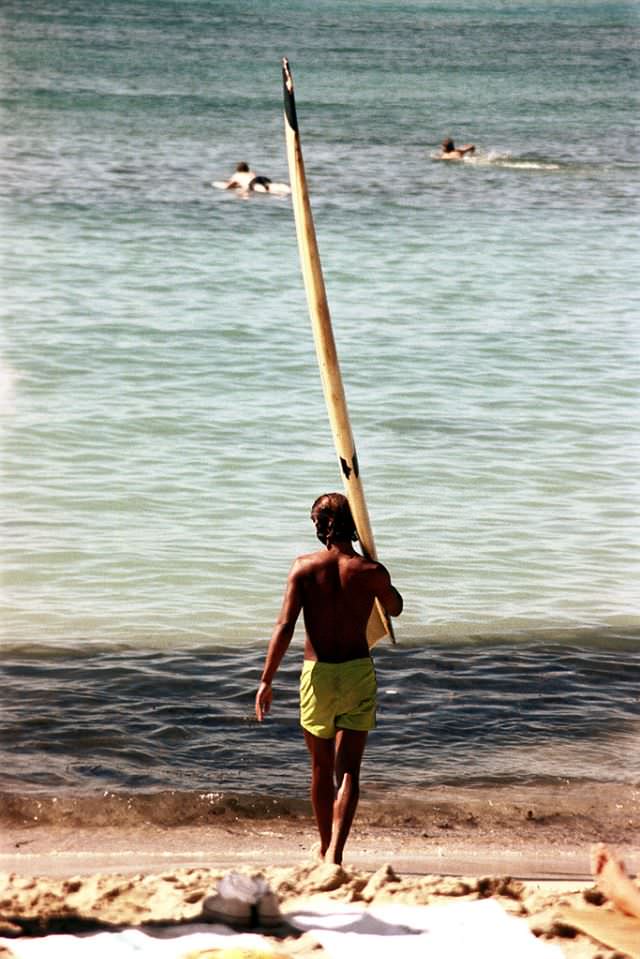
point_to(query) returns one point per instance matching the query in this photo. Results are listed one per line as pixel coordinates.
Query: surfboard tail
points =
(379, 623)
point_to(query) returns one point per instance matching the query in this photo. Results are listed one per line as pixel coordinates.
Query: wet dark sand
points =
(523, 831)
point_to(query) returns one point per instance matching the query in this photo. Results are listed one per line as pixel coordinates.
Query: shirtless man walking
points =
(335, 589)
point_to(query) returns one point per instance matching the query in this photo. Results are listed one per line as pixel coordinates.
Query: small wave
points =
(392, 806)
(495, 158)
(515, 164)
(508, 161)
(165, 808)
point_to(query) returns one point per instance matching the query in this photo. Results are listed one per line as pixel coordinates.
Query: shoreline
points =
(525, 848)
(521, 831)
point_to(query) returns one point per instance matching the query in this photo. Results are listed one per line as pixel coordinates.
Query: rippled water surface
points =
(163, 427)
(96, 720)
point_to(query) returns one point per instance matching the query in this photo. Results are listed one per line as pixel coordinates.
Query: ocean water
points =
(163, 426)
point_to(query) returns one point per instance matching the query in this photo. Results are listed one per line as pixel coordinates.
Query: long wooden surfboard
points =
(379, 623)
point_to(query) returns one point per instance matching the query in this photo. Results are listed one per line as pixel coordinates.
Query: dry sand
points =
(38, 905)
(530, 855)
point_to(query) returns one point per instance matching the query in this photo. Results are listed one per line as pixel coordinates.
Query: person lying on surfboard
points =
(335, 588)
(246, 180)
(451, 152)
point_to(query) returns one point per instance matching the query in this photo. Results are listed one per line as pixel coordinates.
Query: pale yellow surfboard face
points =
(378, 626)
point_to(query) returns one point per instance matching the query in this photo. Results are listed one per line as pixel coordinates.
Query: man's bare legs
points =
(613, 880)
(335, 787)
(322, 753)
(350, 745)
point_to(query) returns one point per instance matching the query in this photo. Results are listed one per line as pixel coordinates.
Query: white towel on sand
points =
(478, 930)
(171, 942)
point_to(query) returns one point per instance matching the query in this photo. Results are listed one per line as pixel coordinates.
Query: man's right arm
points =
(280, 639)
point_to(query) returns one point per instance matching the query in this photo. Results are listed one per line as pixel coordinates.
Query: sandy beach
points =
(526, 850)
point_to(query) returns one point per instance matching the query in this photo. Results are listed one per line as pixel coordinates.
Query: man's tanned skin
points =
(335, 588)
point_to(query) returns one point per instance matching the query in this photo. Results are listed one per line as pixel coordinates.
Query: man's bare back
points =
(337, 588)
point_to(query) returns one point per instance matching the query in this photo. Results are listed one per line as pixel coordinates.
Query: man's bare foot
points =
(332, 857)
(316, 852)
(613, 880)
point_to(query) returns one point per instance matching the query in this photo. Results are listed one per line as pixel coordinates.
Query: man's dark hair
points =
(331, 514)
(242, 167)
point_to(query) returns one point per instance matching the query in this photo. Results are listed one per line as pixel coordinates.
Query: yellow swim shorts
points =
(337, 696)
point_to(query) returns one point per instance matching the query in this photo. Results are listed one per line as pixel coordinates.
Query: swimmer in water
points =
(245, 180)
(451, 152)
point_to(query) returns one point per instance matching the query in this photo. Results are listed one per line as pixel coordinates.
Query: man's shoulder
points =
(306, 560)
(322, 557)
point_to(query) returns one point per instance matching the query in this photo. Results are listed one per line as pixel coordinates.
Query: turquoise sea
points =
(163, 430)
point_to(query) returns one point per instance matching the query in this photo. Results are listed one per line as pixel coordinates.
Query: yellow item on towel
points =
(234, 952)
